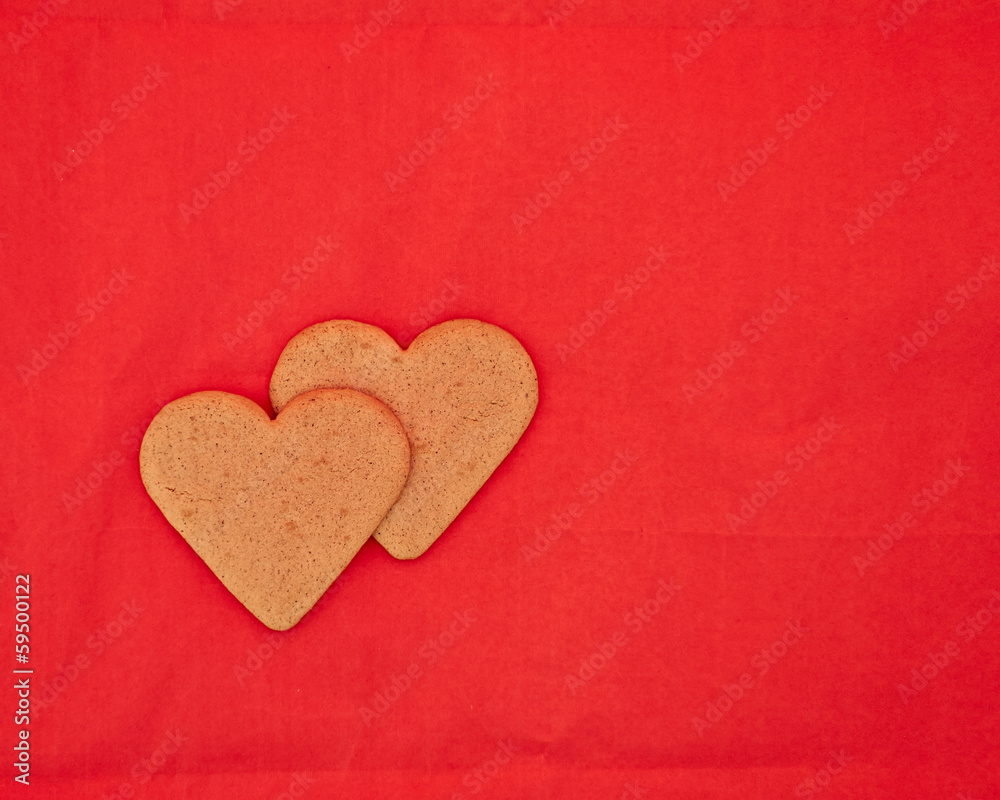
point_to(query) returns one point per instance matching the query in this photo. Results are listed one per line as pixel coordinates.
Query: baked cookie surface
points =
(464, 391)
(275, 508)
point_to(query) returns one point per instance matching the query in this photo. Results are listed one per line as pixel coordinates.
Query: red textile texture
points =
(747, 547)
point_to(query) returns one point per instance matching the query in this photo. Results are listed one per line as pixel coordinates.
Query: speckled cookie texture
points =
(275, 508)
(464, 390)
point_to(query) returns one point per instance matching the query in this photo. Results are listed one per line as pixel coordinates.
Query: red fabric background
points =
(178, 666)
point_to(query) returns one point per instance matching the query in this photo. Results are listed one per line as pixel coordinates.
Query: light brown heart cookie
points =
(464, 390)
(276, 508)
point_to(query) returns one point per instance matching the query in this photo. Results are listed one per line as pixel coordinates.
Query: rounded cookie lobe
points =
(464, 391)
(275, 508)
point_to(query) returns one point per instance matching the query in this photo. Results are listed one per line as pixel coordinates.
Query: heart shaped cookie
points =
(464, 390)
(275, 508)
